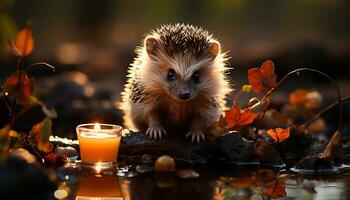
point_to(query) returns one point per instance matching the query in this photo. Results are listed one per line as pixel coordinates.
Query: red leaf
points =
(24, 42)
(246, 118)
(55, 160)
(232, 117)
(19, 85)
(236, 119)
(262, 78)
(276, 189)
(279, 134)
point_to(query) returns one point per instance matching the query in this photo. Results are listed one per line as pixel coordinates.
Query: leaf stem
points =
(41, 63)
(339, 100)
(329, 107)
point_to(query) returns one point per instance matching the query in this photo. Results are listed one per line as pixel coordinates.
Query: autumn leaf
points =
(276, 189)
(279, 134)
(243, 182)
(20, 86)
(329, 152)
(24, 42)
(55, 160)
(236, 119)
(262, 78)
(41, 132)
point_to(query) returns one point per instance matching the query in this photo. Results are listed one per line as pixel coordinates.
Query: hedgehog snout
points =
(184, 93)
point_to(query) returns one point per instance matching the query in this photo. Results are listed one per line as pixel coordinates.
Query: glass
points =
(99, 144)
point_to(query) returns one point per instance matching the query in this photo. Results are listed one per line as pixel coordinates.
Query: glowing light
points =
(97, 127)
(66, 177)
(60, 194)
(98, 166)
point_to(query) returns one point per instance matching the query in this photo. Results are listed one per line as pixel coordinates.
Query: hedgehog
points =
(178, 81)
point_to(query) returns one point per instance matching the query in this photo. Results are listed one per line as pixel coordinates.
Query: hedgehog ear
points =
(214, 49)
(151, 45)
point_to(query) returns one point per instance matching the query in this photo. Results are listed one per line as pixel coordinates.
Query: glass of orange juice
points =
(99, 143)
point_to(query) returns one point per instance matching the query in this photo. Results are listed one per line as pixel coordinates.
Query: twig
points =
(329, 107)
(41, 63)
(339, 100)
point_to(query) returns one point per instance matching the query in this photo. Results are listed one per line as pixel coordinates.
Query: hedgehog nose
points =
(184, 96)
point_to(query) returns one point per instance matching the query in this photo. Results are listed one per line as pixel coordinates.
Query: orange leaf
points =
(232, 117)
(25, 42)
(279, 134)
(262, 78)
(255, 80)
(19, 85)
(276, 189)
(246, 118)
(55, 160)
(243, 182)
(236, 119)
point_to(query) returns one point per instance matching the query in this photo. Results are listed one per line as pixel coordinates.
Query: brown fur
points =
(149, 101)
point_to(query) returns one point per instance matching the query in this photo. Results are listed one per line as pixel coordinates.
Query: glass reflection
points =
(99, 187)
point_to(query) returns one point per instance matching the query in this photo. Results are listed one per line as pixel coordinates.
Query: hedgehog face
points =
(182, 88)
(180, 62)
(182, 77)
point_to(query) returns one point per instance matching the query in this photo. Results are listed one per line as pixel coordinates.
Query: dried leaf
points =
(328, 152)
(262, 78)
(20, 86)
(55, 160)
(242, 182)
(25, 42)
(279, 134)
(236, 119)
(41, 132)
(276, 189)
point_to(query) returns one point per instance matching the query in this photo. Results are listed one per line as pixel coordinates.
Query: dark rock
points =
(267, 154)
(138, 144)
(314, 162)
(287, 149)
(230, 148)
(235, 148)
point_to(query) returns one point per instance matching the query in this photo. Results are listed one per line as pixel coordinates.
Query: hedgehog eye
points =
(195, 77)
(171, 74)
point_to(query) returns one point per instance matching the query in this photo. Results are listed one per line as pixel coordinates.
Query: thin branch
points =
(339, 100)
(41, 63)
(329, 107)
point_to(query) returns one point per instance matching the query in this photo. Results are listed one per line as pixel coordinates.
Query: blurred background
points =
(91, 44)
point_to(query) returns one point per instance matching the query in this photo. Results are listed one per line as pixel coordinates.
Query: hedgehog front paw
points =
(195, 135)
(155, 132)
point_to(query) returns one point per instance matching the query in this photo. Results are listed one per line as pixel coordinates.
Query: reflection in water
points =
(211, 185)
(99, 187)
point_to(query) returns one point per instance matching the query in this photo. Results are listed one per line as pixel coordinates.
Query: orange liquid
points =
(98, 147)
(104, 186)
